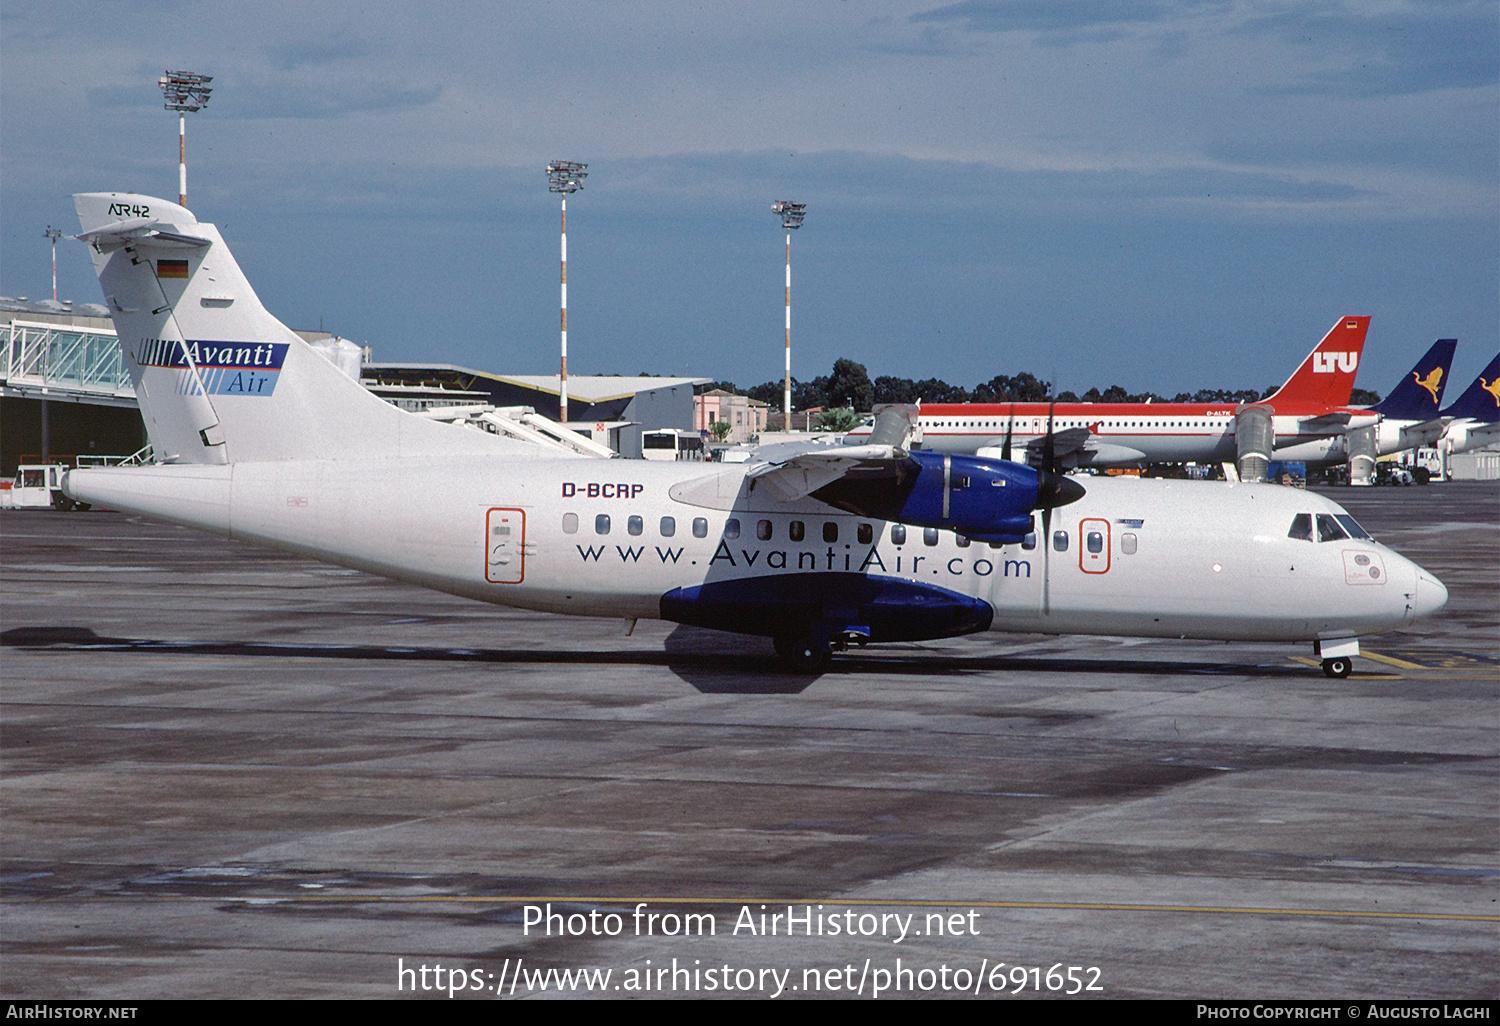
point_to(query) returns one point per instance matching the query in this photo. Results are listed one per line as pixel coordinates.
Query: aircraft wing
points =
(1327, 423)
(1073, 447)
(1425, 433)
(1105, 454)
(793, 475)
(1481, 435)
(1064, 443)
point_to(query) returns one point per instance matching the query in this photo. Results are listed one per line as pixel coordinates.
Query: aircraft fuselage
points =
(692, 542)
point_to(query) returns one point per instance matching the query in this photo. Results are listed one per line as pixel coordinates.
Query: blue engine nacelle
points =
(986, 499)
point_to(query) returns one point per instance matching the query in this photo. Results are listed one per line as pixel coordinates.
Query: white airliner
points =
(1312, 404)
(1474, 418)
(261, 438)
(1409, 414)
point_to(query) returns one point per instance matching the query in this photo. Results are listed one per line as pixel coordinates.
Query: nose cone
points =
(1431, 595)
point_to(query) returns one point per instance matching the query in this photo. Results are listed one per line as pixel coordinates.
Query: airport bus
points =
(671, 444)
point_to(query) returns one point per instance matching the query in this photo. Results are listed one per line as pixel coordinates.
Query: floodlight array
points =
(791, 213)
(566, 176)
(185, 90)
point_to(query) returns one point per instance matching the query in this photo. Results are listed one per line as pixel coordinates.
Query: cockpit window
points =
(1351, 525)
(1329, 529)
(1301, 527)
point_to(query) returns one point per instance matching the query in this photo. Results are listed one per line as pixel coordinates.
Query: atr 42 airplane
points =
(1475, 415)
(261, 438)
(1312, 404)
(1409, 414)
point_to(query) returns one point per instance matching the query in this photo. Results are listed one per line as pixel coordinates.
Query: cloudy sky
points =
(1164, 194)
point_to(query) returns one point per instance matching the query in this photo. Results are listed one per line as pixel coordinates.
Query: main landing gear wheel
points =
(803, 655)
(1340, 667)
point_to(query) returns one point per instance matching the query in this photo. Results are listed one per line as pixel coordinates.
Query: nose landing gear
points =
(1337, 656)
(1338, 668)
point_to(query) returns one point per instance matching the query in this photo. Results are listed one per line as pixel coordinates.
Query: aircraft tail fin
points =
(1481, 400)
(219, 379)
(1420, 394)
(1325, 378)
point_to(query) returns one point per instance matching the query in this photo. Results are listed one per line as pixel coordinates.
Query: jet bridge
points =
(520, 422)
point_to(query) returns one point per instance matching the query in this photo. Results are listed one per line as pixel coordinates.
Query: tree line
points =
(849, 385)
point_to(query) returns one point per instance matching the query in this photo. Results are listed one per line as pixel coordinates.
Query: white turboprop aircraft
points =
(260, 438)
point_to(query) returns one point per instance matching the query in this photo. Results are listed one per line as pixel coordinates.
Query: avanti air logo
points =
(223, 368)
(1335, 363)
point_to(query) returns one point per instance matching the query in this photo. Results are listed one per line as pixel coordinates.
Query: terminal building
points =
(66, 395)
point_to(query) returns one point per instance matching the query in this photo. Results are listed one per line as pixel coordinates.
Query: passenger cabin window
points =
(732, 528)
(1029, 542)
(1059, 541)
(1301, 527)
(929, 536)
(668, 527)
(635, 525)
(570, 523)
(796, 530)
(830, 531)
(700, 527)
(1094, 540)
(763, 530)
(1127, 543)
(865, 534)
(961, 541)
(601, 524)
(898, 534)
(1329, 529)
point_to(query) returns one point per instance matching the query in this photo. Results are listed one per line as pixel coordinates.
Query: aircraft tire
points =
(1338, 668)
(803, 654)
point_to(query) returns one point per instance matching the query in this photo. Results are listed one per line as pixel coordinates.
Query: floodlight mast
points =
(791, 217)
(54, 234)
(184, 91)
(565, 177)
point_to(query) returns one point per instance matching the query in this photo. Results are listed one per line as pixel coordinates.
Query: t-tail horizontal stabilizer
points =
(218, 378)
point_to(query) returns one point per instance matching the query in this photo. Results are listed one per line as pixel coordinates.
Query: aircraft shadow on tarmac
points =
(701, 658)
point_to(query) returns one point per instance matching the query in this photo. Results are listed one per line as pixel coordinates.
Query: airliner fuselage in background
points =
(1312, 404)
(1409, 413)
(1474, 417)
(265, 440)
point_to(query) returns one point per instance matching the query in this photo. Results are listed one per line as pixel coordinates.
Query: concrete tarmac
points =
(229, 772)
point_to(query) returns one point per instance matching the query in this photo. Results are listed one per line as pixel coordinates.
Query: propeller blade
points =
(1010, 427)
(1049, 444)
(1046, 560)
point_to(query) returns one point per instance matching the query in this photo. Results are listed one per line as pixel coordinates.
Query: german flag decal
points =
(171, 268)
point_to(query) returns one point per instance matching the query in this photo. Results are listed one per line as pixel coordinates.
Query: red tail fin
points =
(1326, 377)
